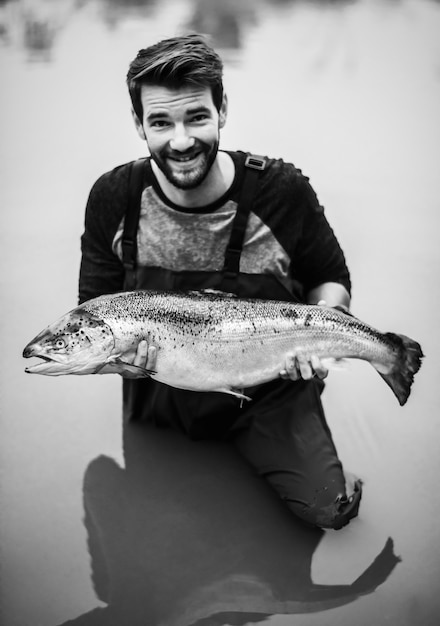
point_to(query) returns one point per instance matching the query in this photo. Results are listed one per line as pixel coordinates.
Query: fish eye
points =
(60, 344)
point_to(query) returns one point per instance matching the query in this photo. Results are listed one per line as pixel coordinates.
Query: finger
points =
(320, 370)
(304, 366)
(151, 358)
(140, 358)
(291, 370)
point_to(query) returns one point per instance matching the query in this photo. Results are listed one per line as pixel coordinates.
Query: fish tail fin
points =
(407, 363)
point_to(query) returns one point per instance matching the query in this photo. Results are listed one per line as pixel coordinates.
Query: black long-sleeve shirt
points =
(287, 234)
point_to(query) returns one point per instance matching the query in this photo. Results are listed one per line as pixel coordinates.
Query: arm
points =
(331, 294)
(101, 269)
(298, 366)
(323, 271)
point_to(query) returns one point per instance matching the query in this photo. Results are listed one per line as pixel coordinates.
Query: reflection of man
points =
(165, 552)
(202, 217)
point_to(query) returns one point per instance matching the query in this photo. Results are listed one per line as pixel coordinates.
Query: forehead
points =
(158, 98)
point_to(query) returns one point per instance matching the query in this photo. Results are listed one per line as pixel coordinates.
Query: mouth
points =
(46, 363)
(184, 159)
(44, 366)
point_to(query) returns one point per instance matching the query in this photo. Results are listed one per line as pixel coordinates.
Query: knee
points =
(334, 515)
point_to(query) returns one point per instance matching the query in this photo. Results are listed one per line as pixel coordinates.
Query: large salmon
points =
(213, 342)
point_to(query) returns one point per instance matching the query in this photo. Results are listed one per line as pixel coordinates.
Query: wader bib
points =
(282, 431)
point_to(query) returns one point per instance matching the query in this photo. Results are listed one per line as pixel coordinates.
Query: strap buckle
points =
(255, 162)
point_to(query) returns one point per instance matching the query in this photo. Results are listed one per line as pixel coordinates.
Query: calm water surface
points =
(104, 527)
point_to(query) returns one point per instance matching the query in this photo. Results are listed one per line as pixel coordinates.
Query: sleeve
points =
(319, 257)
(101, 270)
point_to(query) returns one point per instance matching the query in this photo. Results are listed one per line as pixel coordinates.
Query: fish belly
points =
(214, 367)
(237, 360)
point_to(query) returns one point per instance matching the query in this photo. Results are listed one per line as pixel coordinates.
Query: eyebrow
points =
(159, 115)
(201, 108)
(156, 116)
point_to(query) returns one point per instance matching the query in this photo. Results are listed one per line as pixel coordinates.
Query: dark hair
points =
(174, 63)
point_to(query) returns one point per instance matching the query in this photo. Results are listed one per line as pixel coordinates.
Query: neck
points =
(215, 185)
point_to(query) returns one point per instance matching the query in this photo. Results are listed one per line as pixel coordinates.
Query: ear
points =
(138, 125)
(223, 113)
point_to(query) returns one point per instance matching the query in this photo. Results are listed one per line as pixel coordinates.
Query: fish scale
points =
(216, 342)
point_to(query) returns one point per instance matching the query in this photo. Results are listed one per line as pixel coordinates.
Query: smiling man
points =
(191, 216)
(181, 128)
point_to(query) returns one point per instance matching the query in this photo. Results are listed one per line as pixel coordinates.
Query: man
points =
(192, 217)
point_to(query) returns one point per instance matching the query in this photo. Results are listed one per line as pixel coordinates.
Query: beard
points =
(184, 174)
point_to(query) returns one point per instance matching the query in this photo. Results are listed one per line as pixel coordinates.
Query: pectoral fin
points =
(116, 365)
(129, 368)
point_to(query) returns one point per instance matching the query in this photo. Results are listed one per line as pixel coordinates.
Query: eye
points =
(159, 124)
(201, 117)
(60, 344)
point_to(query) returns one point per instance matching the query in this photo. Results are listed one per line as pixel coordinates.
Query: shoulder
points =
(280, 176)
(286, 178)
(283, 190)
(114, 181)
(109, 193)
(107, 202)
(274, 167)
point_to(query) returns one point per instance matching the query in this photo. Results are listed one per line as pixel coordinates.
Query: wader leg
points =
(286, 438)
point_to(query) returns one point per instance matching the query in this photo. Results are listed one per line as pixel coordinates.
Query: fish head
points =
(78, 343)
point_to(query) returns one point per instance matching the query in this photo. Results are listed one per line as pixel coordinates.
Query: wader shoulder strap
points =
(253, 166)
(131, 222)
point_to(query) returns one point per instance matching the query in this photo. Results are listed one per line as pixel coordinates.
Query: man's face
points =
(181, 127)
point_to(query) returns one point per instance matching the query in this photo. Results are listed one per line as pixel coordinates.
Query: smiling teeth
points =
(184, 159)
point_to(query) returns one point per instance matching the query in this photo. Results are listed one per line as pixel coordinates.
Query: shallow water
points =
(158, 530)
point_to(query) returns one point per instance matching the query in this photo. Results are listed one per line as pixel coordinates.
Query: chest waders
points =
(270, 431)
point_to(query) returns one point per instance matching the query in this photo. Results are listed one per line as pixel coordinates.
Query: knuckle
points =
(306, 372)
(290, 362)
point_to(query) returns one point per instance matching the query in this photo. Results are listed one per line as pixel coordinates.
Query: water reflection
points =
(38, 38)
(186, 535)
(35, 25)
(115, 11)
(223, 21)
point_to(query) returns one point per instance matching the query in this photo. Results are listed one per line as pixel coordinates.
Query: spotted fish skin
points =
(214, 342)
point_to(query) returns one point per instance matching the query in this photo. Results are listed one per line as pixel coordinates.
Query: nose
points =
(181, 140)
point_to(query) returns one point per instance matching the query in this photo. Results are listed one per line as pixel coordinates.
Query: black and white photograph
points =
(220, 305)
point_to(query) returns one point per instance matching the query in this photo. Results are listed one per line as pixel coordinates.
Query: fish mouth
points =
(46, 364)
